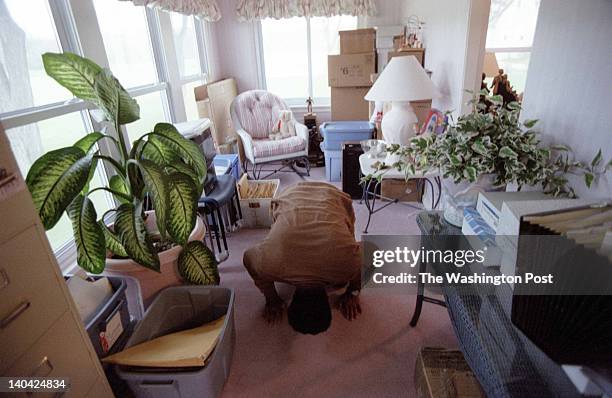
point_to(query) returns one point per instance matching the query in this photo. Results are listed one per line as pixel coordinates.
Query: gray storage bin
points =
(176, 309)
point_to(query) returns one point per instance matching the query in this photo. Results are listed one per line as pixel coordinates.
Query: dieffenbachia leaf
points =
(88, 235)
(87, 142)
(130, 228)
(114, 100)
(183, 207)
(181, 167)
(108, 95)
(116, 183)
(156, 150)
(55, 179)
(156, 184)
(112, 241)
(197, 264)
(75, 73)
(187, 149)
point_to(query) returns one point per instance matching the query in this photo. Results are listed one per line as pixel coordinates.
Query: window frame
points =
(78, 34)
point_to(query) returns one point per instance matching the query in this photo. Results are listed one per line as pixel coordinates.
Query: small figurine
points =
(309, 103)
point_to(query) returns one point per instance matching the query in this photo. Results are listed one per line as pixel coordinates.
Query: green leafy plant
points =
(161, 165)
(492, 140)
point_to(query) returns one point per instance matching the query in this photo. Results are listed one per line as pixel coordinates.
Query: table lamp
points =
(403, 80)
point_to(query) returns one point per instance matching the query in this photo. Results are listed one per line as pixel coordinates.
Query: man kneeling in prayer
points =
(311, 246)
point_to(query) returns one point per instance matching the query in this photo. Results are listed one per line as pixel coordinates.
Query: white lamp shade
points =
(403, 79)
(489, 66)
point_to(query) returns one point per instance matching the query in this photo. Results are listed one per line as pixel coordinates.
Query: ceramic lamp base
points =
(398, 125)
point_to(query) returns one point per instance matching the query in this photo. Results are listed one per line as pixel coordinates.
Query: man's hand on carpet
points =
(273, 311)
(349, 306)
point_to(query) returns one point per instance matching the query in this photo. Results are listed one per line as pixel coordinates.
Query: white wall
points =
(454, 36)
(570, 78)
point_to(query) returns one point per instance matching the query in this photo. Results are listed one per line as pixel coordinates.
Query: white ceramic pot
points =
(152, 282)
(457, 196)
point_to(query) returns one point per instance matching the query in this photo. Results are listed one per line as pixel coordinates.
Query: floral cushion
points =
(257, 111)
(266, 148)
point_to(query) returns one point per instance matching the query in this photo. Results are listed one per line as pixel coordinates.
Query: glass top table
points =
(505, 361)
(371, 188)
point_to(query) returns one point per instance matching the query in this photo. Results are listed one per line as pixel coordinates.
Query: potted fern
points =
(161, 165)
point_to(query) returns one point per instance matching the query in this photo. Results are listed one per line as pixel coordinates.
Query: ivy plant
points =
(161, 166)
(491, 140)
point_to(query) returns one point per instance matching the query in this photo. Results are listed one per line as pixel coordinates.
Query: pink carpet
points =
(373, 356)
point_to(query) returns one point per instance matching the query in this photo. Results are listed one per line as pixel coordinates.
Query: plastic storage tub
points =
(333, 164)
(335, 133)
(179, 308)
(230, 162)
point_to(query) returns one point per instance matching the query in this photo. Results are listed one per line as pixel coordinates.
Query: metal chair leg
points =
(222, 228)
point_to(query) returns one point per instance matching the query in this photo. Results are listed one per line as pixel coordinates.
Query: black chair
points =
(223, 194)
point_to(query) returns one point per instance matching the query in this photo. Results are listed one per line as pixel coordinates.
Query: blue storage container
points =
(333, 164)
(335, 133)
(231, 162)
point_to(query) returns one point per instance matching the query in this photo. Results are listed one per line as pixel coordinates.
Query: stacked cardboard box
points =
(349, 74)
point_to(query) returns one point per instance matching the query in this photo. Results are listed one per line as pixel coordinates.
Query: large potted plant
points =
(161, 166)
(488, 149)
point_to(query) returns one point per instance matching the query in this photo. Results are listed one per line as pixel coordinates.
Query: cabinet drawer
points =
(30, 297)
(60, 352)
(17, 213)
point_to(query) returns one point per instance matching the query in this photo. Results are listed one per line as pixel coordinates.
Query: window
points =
(29, 89)
(510, 36)
(35, 110)
(295, 54)
(27, 35)
(190, 58)
(126, 40)
(185, 44)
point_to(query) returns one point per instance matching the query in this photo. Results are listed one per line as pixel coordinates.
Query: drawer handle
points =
(14, 314)
(45, 362)
(5, 279)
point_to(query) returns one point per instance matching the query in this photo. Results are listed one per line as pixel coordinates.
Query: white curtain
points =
(204, 9)
(248, 10)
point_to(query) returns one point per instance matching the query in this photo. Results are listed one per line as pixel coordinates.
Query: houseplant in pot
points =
(488, 149)
(161, 166)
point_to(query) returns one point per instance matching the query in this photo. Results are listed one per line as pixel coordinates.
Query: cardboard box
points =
(419, 53)
(347, 103)
(351, 70)
(441, 372)
(213, 101)
(404, 191)
(357, 41)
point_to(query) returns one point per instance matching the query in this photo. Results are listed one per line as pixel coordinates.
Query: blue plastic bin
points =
(230, 161)
(333, 164)
(335, 133)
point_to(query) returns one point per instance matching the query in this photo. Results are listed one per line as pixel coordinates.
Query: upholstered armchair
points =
(254, 114)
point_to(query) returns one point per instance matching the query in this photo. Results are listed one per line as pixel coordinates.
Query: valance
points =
(248, 10)
(204, 9)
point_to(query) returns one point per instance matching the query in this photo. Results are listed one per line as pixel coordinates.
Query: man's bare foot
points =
(273, 311)
(349, 306)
